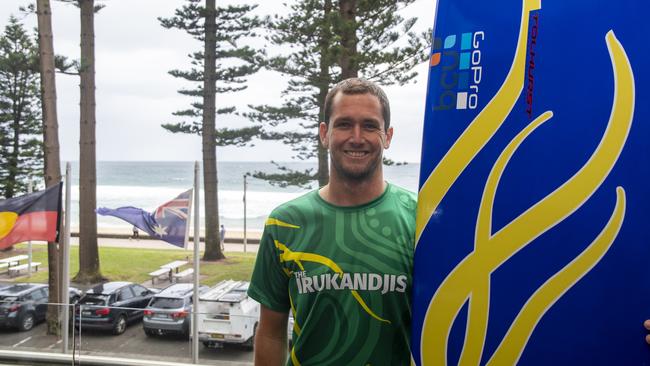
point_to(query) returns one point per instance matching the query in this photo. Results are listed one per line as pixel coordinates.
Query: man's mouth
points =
(356, 154)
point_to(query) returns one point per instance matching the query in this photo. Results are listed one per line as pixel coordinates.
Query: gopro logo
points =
(459, 58)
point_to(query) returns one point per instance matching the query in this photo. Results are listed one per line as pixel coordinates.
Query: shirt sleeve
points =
(269, 282)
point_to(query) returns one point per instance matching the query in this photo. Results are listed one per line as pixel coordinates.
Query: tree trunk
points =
(210, 181)
(10, 189)
(325, 63)
(347, 61)
(51, 147)
(88, 253)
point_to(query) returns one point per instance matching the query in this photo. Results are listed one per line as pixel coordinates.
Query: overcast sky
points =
(135, 94)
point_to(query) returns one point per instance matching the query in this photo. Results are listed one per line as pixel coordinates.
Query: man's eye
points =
(343, 125)
(370, 126)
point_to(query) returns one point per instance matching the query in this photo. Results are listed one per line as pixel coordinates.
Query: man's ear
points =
(389, 137)
(322, 133)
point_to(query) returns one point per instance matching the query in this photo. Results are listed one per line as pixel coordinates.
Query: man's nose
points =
(357, 133)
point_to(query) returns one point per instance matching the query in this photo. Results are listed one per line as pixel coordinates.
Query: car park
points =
(22, 305)
(112, 306)
(169, 311)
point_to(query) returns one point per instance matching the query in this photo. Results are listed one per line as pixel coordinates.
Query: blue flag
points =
(169, 222)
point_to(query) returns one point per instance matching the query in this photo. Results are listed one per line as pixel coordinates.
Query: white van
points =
(228, 315)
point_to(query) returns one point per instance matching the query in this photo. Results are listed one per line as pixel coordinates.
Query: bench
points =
(183, 274)
(8, 265)
(157, 273)
(15, 270)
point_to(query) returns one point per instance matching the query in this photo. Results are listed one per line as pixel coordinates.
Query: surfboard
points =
(532, 221)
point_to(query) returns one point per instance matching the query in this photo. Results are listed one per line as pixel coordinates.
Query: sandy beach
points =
(149, 243)
(121, 238)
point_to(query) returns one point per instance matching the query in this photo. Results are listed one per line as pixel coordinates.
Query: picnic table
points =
(175, 265)
(13, 261)
(168, 269)
(13, 264)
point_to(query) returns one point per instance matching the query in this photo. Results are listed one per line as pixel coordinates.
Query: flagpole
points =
(245, 238)
(197, 239)
(65, 250)
(29, 242)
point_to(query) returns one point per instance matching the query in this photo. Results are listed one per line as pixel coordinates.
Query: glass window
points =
(125, 294)
(94, 299)
(139, 290)
(36, 295)
(166, 303)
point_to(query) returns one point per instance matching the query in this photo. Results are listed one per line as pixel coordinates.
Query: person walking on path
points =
(340, 258)
(136, 233)
(222, 236)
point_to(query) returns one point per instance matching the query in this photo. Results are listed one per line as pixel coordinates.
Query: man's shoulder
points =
(298, 204)
(406, 198)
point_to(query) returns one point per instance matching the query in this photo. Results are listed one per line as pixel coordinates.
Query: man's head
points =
(357, 86)
(356, 130)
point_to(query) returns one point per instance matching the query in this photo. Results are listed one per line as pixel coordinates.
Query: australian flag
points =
(169, 222)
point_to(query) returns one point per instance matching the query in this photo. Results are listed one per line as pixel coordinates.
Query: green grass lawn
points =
(134, 264)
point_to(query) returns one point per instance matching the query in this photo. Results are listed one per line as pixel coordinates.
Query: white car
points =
(228, 315)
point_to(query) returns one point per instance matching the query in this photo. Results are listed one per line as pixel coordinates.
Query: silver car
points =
(169, 311)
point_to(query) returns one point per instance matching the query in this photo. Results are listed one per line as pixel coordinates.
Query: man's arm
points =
(271, 338)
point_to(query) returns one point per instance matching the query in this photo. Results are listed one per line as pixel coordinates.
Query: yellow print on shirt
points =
(287, 255)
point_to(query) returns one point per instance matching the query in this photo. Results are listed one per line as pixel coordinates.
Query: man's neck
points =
(343, 192)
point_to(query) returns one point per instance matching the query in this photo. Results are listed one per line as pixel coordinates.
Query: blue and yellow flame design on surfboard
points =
(467, 287)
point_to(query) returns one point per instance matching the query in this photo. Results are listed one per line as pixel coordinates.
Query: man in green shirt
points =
(340, 258)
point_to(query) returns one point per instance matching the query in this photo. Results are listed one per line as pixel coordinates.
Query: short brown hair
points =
(357, 86)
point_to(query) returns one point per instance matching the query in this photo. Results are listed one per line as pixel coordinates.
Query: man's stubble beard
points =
(356, 176)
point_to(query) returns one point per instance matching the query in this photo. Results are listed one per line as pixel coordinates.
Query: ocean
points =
(149, 184)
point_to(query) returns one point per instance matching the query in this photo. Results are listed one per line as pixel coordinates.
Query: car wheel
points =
(26, 322)
(120, 325)
(206, 344)
(185, 333)
(250, 343)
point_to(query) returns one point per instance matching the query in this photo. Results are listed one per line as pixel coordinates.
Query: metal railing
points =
(90, 346)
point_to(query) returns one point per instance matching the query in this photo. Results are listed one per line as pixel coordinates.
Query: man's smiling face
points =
(355, 136)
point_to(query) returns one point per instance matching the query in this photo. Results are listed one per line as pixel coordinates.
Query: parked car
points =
(290, 324)
(169, 311)
(228, 315)
(24, 304)
(112, 305)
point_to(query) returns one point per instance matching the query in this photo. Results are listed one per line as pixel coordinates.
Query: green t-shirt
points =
(345, 273)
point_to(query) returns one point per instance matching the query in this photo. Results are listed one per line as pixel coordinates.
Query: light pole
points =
(29, 242)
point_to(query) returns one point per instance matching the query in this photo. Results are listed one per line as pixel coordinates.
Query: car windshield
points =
(166, 303)
(91, 299)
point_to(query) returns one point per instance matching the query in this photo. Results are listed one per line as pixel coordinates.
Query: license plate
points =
(161, 316)
(216, 335)
(86, 313)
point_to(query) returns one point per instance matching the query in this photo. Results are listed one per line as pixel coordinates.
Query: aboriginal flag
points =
(34, 216)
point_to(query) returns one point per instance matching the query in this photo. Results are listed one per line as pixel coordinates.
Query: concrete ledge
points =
(50, 358)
